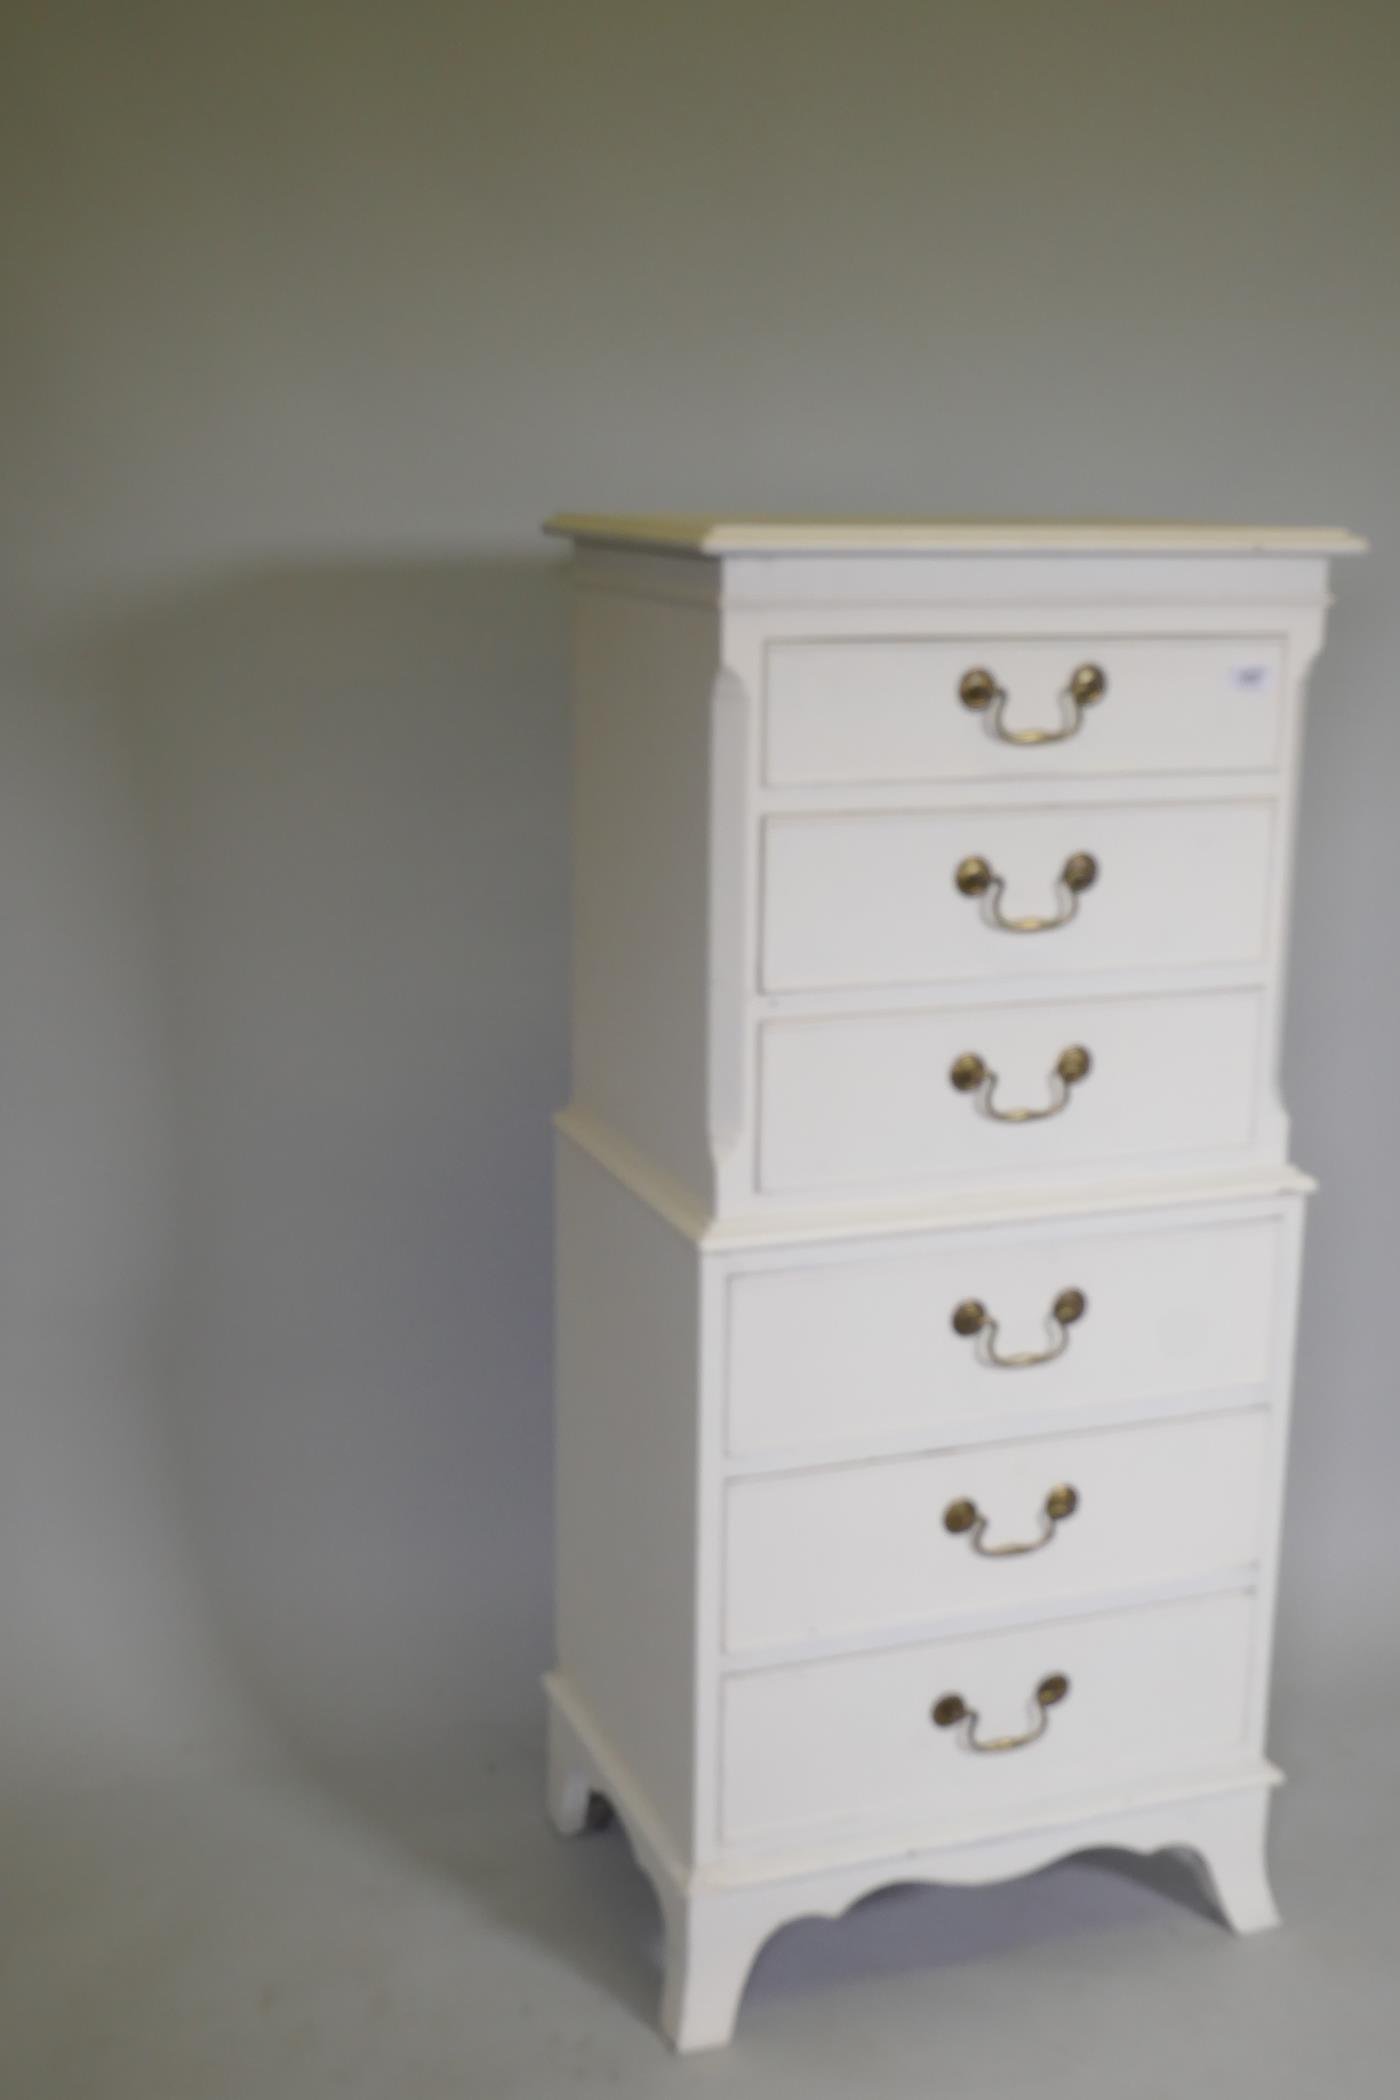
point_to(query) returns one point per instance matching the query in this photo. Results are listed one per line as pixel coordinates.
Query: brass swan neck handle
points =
(982, 693)
(971, 1074)
(953, 1711)
(964, 1517)
(973, 1322)
(976, 877)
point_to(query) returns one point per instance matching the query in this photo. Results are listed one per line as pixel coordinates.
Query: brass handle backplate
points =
(952, 1710)
(970, 1074)
(963, 1516)
(981, 692)
(976, 877)
(972, 1320)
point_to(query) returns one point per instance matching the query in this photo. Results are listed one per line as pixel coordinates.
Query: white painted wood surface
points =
(882, 710)
(850, 1743)
(838, 1551)
(772, 1201)
(641, 801)
(715, 533)
(865, 1101)
(872, 901)
(857, 1346)
(628, 1391)
(716, 1921)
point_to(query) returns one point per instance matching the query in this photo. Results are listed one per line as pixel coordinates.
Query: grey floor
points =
(202, 1939)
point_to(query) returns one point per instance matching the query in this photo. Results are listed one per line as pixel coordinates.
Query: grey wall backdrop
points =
(312, 313)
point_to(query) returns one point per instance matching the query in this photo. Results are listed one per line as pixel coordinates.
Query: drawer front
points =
(850, 1746)
(868, 1102)
(874, 712)
(875, 899)
(835, 1351)
(853, 1549)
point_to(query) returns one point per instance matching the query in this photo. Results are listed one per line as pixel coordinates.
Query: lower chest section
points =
(991, 1519)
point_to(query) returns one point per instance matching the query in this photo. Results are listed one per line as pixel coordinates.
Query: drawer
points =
(836, 1350)
(826, 1555)
(904, 898)
(870, 1101)
(850, 1745)
(885, 711)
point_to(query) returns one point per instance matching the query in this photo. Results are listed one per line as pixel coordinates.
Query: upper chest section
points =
(953, 798)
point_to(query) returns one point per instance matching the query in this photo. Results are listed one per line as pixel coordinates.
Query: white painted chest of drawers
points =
(928, 1244)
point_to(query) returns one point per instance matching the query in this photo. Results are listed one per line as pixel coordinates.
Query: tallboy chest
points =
(927, 1236)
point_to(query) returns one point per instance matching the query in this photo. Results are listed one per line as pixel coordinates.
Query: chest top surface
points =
(728, 533)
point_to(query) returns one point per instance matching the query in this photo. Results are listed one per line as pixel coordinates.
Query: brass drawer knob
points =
(977, 878)
(973, 1322)
(952, 1711)
(963, 1516)
(980, 691)
(970, 1074)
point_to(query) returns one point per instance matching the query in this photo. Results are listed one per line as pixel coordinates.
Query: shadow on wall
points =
(356, 783)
